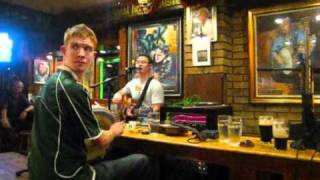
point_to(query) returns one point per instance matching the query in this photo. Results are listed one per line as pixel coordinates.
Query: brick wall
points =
(230, 56)
(238, 80)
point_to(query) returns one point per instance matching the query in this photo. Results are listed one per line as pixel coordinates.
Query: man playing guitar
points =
(154, 96)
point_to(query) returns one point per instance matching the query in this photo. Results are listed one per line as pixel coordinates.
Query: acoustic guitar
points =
(128, 104)
(135, 106)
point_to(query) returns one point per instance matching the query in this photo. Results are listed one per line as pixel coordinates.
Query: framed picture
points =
(282, 40)
(201, 51)
(162, 41)
(41, 71)
(201, 21)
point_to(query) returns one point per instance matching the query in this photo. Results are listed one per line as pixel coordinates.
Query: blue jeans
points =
(135, 166)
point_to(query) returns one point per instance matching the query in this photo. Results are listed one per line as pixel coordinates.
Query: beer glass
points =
(115, 111)
(223, 121)
(280, 131)
(153, 121)
(265, 126)
(132, 126)
(143, 112)
(235, 130)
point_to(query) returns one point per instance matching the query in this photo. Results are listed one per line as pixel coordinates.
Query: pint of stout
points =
(280, 131)
(281, 143)
(265, 126)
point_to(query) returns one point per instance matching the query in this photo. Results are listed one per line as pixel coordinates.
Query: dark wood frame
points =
(173, 90)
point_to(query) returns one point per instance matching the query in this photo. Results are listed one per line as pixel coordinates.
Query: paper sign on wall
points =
(201, 51)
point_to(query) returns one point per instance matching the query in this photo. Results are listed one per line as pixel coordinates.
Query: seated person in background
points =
(15, 114)
(154, 96)
(64, 120)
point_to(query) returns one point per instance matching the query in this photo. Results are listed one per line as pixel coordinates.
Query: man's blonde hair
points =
(80, 30)
(203, 11)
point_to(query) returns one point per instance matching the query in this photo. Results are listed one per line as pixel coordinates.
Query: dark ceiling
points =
(58, 6)
(55, 7)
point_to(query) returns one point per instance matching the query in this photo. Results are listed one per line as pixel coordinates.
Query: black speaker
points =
(304, 137)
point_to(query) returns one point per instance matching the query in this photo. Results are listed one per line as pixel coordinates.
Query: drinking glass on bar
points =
(280, 131)
(235, 130)
(115, 111)
(153, 121)
(265, 126)
(223, 121)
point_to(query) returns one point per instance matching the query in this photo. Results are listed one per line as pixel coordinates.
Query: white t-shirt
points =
(154, 94)
(202, 29)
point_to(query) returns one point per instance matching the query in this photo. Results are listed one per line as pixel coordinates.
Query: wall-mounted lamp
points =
(49, 56)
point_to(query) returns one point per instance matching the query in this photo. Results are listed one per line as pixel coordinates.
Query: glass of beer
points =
(153, 121)
(280, 131)
(223, 121)
(265, 126)
(235, 130)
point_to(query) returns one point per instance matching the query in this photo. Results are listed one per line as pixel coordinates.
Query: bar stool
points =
(24, 142)
(24, 147)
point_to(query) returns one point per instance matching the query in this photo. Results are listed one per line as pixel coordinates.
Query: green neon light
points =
(101, 73)
(112, 60)
(101, 95)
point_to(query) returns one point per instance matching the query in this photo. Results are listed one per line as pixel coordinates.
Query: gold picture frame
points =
(277, 51)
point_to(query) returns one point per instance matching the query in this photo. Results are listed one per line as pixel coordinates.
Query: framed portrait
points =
(41, 71)
(201, 21)
(160, 40)
(282, 40)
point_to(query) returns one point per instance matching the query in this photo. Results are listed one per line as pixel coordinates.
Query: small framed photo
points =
(201, 51)
(41, 71)
(201, 21)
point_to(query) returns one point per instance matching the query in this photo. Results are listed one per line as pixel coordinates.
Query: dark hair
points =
(147, 56)
(12, 81)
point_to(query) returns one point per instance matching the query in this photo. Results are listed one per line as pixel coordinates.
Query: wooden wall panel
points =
(209, 87)
(123, 54)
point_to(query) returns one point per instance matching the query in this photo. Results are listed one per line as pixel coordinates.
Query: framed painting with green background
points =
(162, 41)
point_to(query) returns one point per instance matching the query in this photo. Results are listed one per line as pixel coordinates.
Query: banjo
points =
(105, 119)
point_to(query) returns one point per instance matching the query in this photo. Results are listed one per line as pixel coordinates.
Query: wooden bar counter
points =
(243, 162)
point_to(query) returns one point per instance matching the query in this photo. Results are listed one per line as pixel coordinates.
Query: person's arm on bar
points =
(25, 112)
(156, 107)
(107, 136)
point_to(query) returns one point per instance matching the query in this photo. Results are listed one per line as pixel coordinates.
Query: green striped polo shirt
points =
(63, 120)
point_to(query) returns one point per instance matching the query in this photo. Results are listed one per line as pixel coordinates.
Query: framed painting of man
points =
(202, 22)
(282, 40)
(160, 40)
(41, 71)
